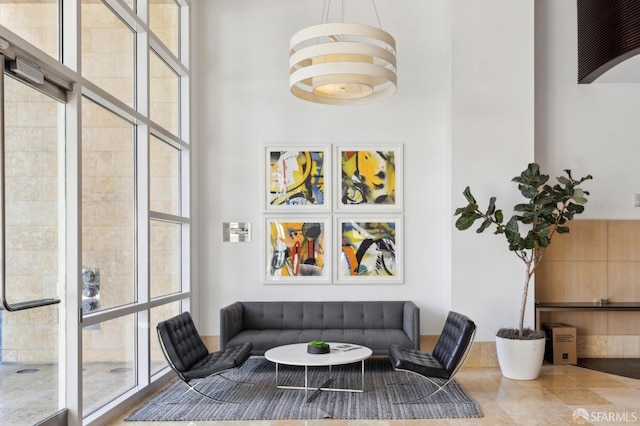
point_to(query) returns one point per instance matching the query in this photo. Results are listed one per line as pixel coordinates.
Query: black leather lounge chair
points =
(189, 357)
(448, 356)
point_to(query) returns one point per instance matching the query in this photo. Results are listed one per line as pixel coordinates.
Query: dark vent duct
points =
(608, 34)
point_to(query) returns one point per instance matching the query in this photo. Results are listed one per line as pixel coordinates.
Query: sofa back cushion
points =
(322, 315)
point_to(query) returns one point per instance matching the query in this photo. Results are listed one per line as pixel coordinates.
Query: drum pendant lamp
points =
(342, 63)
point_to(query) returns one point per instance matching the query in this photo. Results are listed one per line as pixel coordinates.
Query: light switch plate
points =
(236, 232)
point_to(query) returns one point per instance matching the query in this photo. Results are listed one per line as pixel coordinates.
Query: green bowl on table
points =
(318, 347)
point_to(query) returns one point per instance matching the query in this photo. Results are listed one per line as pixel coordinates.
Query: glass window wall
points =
(161, 313)
(36, 21)
(165, 259)
(164, 96)
(108, 361)
(110, 197)
(107, 51)
(30, 339)
(108, 208)
(164, 171)
(164, 20)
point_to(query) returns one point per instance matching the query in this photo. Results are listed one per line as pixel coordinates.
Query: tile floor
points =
(552, 399)
(29, 392)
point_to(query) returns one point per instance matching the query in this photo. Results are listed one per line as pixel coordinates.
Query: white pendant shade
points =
(342, 64)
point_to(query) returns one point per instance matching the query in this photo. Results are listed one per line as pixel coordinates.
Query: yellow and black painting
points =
(368, 177)
(296, 178)
(368, 249)
(296, 249)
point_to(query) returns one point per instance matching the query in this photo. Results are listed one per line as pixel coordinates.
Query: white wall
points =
(455, 118)
(244, 74)
(492, 121)
(590, 129)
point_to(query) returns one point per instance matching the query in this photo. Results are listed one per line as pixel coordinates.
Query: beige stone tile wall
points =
(164, 18)
(164, 93)
(107, 51)
(36, 21)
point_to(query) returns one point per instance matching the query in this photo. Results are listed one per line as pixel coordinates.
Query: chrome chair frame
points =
(439, 382)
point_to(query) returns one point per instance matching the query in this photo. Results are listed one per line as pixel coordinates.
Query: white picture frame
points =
(369, 249)
(298, 249)
(298, 178)
(368, 177)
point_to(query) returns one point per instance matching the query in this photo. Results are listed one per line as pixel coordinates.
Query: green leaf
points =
(459, 210)
(529, 242)
(528, 191)
(487, 223)
(562, 229)
(544, 241)
(547, 212)
(587, 177)
(579, 200)
(563, 180)
(530, 217)
(512, 233)
(499, 217)
(575, 208)
(528, 207)
(468, 196)
(568, 172)
(466, 220)
(533, 169)
(547, 199)
(492, 206)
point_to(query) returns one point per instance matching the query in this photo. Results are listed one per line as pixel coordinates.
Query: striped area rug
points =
(263, 401)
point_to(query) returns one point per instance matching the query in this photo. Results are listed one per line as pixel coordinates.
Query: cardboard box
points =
(560, 347)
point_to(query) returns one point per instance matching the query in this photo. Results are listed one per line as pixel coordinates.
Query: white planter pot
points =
(520, 359)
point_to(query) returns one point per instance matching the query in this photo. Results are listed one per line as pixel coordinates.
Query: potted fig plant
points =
(547, 212)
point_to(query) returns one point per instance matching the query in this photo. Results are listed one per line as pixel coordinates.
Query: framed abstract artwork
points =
(369, 178)
(370, 249)
(297, 250)
(297, 178)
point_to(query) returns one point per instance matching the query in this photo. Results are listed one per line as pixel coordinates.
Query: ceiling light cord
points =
(373, 2)
(326, 9)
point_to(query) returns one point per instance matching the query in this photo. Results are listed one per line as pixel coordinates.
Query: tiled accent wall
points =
(597, 259)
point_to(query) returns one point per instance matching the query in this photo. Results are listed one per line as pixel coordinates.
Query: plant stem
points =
(524, 297)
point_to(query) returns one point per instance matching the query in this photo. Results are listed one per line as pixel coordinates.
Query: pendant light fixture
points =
(341, 63)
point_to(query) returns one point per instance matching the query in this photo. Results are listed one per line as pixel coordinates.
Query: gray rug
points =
(263, 401)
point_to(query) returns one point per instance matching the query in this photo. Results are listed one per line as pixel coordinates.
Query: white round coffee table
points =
(296, 354)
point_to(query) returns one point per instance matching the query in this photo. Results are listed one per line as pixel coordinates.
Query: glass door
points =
(32, 182)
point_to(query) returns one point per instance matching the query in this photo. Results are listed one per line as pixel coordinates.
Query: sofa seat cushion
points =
(263, 340)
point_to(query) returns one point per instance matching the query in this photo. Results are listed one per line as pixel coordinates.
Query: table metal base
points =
(323, 387)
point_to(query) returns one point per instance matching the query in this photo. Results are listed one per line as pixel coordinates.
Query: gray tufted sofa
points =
(376, 325)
